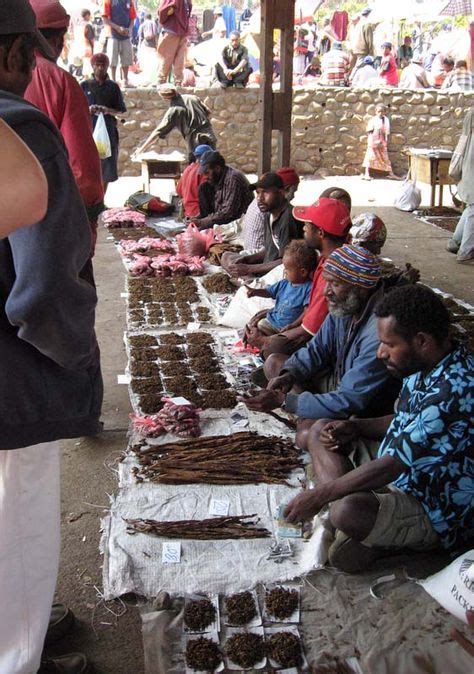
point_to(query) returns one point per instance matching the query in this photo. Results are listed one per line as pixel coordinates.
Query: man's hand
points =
(239, 269)
(264, 401)
(336, 434)
(251, 292)
(304, 506)
(282, 383)
(228, 74)
(170, 12)
(253, 337)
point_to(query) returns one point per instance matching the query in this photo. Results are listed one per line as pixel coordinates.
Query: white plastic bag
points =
(409, 197)
(453, 587)
(101, 138)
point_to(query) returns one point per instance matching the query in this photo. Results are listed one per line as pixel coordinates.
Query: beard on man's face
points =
(352, 305)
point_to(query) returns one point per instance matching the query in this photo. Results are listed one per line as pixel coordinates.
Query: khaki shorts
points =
(401, 523)
(119, 48)
(266, 327)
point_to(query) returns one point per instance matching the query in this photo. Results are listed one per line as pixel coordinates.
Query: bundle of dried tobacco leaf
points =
(281, 602)
(203, 655)
(285, 649)
(214, 528)
(240, 608)
(245, 649)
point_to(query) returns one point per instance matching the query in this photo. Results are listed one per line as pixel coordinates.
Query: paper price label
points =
(171, 552)
(219, 507)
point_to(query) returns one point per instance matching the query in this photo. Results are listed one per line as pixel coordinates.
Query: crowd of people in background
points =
(337, 51)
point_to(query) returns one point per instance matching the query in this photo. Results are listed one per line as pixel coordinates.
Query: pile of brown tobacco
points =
(214, 528)
(245, 649)
(219, 283)
(281, 603)
(240, 458)
(240, 608)
(199, 614)
(203, 655)
(285, 649)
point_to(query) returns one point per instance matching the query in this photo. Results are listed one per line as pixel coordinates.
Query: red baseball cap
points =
(50, 14)
(288, 175)
(331, 215)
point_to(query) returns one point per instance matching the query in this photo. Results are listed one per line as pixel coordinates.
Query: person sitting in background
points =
(338, 371)
(459, 79)
(417, 492)
(405, 52)
(225, 194)
(365, 75)
(313, 69)
(291, 294)
(414, 76)
(189, 75)
(335, 66)
(280, 228)
(104, 96)
(441, 66)
(233, 70)
(253, 223)
(388, 66)
(188, 185)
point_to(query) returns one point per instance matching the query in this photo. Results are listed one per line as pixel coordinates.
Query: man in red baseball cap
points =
(327, 224)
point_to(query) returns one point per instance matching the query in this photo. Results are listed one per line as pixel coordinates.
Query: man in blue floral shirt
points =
(419, 492)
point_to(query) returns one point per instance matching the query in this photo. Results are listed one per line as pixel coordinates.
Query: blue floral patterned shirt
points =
(432, 434)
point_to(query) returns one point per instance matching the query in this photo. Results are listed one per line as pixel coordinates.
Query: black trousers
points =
(240, 78)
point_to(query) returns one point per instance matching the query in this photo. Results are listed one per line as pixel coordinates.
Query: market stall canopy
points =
(416, 10)
(304, 11)
(457, 8)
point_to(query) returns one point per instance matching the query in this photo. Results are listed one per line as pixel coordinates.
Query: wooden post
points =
(275, 106)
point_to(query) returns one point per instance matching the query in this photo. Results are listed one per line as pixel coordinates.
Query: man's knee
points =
(355, 514)
(274, 364)
(277, 344)
(303, 428)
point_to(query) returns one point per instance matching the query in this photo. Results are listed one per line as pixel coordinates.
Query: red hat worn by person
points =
(100, 59)
(289, 176)
(50, 14)
(330, 215)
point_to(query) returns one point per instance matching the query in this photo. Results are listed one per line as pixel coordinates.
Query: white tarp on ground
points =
(133, 563)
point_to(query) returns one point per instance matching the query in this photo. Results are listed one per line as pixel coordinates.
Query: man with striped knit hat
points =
(337, 374)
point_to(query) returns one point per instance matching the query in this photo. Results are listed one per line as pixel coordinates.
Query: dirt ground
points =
(110, 634)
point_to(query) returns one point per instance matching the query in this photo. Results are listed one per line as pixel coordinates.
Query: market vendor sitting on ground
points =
(417, 494)
(233, 70)
(188, 114)
(326, 227)
(188, 185)
(104, 96)
(291, 294)
(280, 228)
(253, 222)
(346, 345)
(225, 194)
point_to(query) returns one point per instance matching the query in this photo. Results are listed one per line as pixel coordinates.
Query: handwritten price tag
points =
(171, 552)
(219, 507)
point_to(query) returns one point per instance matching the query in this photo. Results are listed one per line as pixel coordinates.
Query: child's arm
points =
(257, 292)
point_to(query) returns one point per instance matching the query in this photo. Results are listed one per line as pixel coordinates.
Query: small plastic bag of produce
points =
(101, 138)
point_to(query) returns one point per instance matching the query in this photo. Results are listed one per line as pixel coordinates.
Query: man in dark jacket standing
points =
(51, 385)
(173, 16)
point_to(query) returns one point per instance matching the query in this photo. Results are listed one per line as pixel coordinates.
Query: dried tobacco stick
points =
(214, 528)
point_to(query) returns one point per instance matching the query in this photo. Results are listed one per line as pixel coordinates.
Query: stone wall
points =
(328, 126)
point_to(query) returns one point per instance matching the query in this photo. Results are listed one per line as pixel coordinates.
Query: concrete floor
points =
(114, 643)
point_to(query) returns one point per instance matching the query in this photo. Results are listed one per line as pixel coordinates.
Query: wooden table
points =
(431, 167)
(161, 166)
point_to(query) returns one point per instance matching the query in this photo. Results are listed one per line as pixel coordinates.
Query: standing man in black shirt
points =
(104, 95)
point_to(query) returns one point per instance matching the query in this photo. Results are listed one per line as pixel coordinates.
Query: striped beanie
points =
(354, 265)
